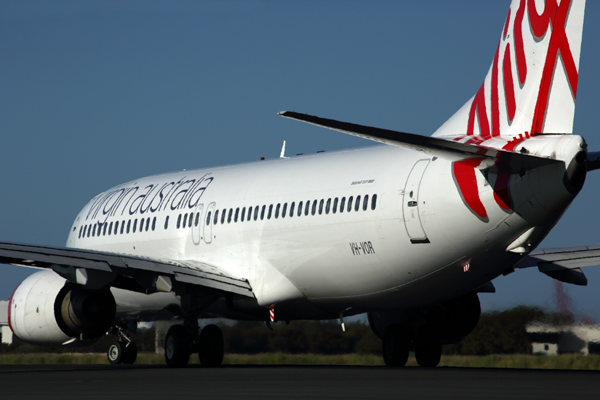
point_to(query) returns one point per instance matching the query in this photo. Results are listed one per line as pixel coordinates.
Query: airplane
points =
(408, 233)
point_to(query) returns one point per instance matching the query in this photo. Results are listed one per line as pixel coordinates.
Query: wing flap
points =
(188, 271)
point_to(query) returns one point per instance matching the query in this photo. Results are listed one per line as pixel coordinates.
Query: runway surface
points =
(291, 382)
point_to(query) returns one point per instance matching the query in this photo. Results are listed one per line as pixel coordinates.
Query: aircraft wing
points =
(97, 268)
(564, 264)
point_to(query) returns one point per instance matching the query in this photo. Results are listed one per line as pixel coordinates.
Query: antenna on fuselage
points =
(282, 155)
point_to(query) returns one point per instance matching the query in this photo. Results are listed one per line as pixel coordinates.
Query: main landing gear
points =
(397, 343)
(122, 351)
(180, 343)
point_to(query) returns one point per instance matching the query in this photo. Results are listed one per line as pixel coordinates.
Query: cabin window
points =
(350, 203)
(104, 228)
(292, 208)
(335, 203)
(314, 207)
(110, 229)
(300, 209)
(307, 207)
(80, 230)
(178, 221)
(262, 212)
(366, 202)
(216, 217)
(357, 204)
(237, 213)
(284, 210)
(321, 206)
(147, 224)
(166, 223)
(94, 231)
(190, 220)
(243, 214)
(128, 225)
(116, 227)
(270, 211)
(184, 221)
(122, 226)
(328, 206)
(373, 202)
(229, 215)
(208, 218)
(277, 210)
(197, 219)
(88, 230)
(342, 204)
(223, 216)
(255, 213)
(153, 223)
(134, 225)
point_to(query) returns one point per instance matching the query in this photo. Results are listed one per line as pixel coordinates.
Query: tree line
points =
(498, 332)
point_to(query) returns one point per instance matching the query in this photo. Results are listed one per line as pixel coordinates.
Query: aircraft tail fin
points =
(531, 85)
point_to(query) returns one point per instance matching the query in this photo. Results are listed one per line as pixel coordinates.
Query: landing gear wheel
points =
(395, 346)
(428, 347)
(210, 346)
(115, 352)
(177, 346)
(130, 354)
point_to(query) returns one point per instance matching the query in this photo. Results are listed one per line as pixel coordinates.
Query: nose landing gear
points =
(122, 351)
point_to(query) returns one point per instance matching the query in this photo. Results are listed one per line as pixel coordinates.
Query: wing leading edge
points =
(95, 269)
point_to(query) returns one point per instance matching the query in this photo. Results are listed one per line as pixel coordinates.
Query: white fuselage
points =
(412, 243)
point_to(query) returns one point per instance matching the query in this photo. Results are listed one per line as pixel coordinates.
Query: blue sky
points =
(98, 93)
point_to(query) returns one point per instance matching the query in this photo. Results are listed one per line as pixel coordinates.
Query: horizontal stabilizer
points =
(574, 276)
(504, 161)
(593, 161)
(564, 263)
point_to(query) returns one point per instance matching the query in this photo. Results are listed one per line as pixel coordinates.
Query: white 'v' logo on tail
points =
(532, 84)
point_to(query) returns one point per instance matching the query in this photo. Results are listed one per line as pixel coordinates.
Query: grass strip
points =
(564, 361)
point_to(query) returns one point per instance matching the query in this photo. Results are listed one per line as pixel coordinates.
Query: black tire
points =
(210, 347)
(130, 354)
(395, 346)
(115, 352)
(428, 347)
(177, 347)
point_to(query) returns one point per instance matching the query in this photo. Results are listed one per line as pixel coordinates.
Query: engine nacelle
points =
(45, 309)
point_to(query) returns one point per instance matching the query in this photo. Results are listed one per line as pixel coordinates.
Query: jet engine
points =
(45, 309)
